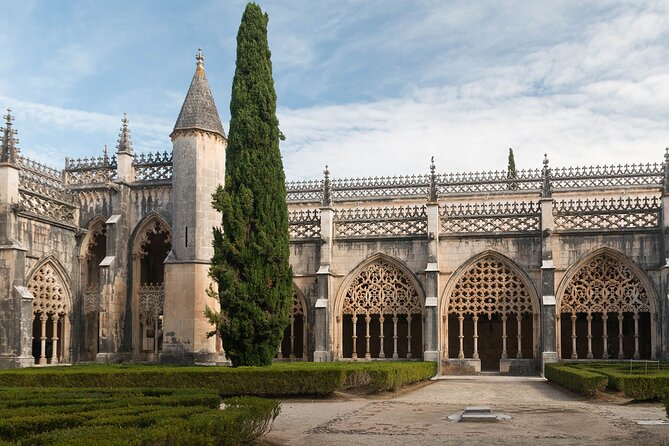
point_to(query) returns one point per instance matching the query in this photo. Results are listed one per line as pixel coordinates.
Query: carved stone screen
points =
(381, 314)
(605, 312)
(50, 310)
(490, 314)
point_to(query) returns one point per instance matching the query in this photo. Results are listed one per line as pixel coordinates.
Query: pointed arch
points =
(151, 244)
(490, 311)
(95, 227)
(49, 284)
(606, 307)
(294, 343)
(152, 223)
(380, 296)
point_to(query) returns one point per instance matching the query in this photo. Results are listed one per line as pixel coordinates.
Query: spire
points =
(9, 142)
(198, 111)
(124, 143)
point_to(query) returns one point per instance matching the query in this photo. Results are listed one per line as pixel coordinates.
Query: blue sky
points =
(369, 87)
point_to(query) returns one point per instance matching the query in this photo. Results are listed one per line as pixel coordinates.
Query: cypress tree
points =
(511, 171)
(250, 262)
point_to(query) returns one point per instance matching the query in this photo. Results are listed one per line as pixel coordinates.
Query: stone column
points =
(548, 321)
(324, 305)
(431, 326)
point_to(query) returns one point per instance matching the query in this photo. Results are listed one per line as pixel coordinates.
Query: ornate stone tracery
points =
(379, 295)
(490, 286)
(381, 288)
(604, 285)
(157, 226)
(49, 291)
(604, 299)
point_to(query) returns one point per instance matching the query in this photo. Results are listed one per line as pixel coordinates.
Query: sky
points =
(368, 87)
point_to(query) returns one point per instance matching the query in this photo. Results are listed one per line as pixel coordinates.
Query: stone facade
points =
(107, 260)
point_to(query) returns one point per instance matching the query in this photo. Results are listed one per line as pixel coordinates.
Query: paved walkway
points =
(542, 414)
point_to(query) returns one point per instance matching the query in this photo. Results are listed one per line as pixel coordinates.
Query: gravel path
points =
(542, 414)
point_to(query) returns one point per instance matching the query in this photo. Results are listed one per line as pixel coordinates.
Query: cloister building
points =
(107, 259)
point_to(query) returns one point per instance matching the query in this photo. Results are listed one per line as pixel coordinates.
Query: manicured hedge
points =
(585, 382)
(276, 380)
(644, 383)
(131, 416)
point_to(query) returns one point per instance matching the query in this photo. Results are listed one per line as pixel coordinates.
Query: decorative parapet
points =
(612, 214)
(43, 194)
(304, 191)
(498, 181)
(304, 224)
(493, 218)
(542, 181)
(151, 299)
(380, 222)
(90, 171)
(628, 175)
(153, 166)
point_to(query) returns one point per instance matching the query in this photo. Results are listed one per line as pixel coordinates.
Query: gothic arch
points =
(381, 295)
(153, 222)
(486, 301)
(151, 243)
(92, 252)
(294, 342)
(52, 305)
(606, 295)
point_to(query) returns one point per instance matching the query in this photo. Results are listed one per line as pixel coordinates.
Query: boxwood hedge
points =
(585, 382)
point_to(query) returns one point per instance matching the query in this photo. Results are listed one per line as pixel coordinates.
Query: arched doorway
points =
(381, 313)
(51, 310)
(490, 313)
(153, 241)
(294, 342)
(93, 251)
(605, 310)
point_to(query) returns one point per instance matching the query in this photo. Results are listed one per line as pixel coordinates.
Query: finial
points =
(327, 192)
(124, 143)
(433, 181)
(547, 186)
(200, 58)
(105, 154)
(666, 153)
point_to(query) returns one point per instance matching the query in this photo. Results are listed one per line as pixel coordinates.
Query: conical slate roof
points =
(199, 110)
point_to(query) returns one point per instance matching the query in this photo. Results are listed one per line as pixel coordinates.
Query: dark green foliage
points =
(131, 416)
(585, 382)
(250, 262)
(277, 380)
(643, 381)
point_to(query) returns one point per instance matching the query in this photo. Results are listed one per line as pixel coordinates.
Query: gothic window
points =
(383, 305)
(489, 304)
(605, 312)
(50, 310)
